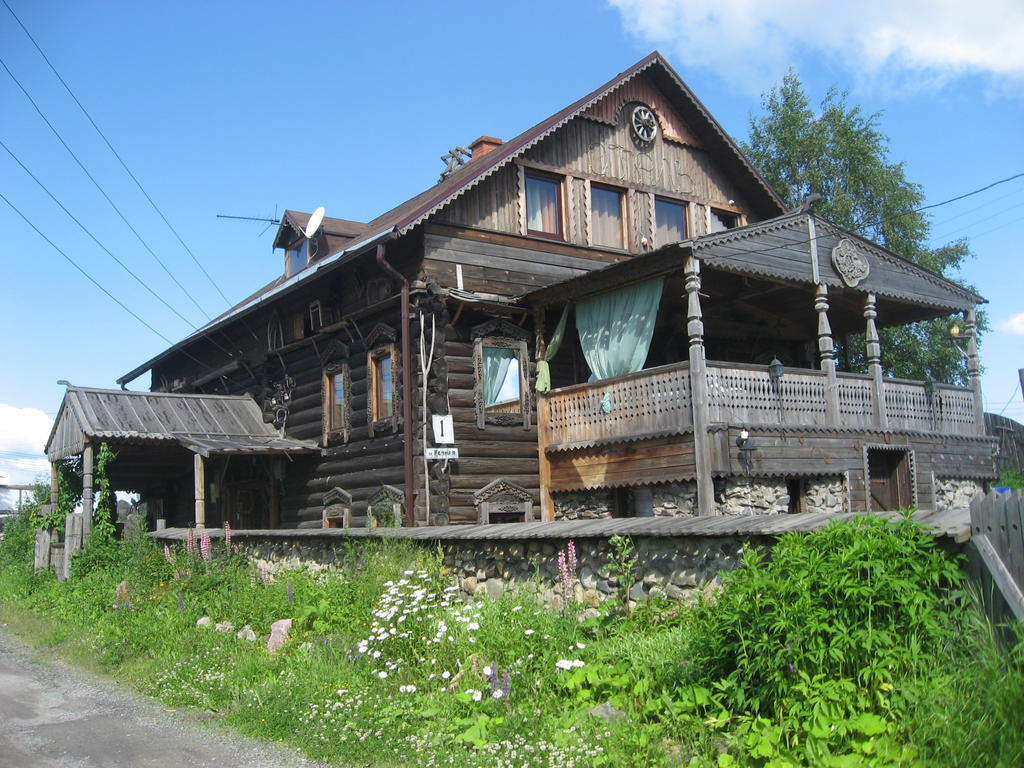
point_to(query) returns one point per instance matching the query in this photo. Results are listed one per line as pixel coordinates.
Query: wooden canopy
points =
(202, 424)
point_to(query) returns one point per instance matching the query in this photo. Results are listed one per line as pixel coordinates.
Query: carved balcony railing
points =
(657, 402)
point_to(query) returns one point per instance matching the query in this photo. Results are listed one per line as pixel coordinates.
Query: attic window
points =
(543, 205)
(606, 217)
(296, 258)
(669, 222)
(722, 220)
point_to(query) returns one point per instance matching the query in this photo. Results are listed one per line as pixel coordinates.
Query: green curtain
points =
(496, 363)
(615, 329)
(543, 371)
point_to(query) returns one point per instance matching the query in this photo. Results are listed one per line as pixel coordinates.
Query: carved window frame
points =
(505, 335)
(275, 333)
(334, 363)
(381, 345)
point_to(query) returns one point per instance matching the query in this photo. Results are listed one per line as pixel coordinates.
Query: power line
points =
(101, 190)
(93, 280)
(123, 266)
(118, 156)
(89, 277)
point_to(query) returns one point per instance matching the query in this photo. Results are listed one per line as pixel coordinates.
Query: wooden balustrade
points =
(654, 401)
(657, 401)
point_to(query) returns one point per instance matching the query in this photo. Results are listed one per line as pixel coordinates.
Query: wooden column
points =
(974, 368)
(200, 477)
(54, 483)
(87, 472)
(827, 354)
(874, 354)
(547, 501)
(699, 390)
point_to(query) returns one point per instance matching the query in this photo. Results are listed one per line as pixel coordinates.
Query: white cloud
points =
(750, 43)
(23, 433)
(1013, 324)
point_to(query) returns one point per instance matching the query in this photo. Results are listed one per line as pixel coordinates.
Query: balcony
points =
(657, 402)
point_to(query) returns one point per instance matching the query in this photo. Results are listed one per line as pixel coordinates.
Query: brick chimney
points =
(483, 145)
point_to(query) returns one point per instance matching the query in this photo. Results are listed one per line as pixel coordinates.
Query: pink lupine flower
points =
(227, 536)
(167, 555)
(205, 547)
(190, 541)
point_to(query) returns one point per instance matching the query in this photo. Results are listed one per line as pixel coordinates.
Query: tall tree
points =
(840, 153)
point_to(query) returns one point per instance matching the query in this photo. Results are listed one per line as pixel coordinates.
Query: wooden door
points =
(891, 485)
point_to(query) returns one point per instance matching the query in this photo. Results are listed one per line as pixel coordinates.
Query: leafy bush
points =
(866, 600)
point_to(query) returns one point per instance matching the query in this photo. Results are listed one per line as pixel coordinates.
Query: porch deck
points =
(657, 402)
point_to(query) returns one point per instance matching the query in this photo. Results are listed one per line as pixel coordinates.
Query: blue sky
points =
(246, 108)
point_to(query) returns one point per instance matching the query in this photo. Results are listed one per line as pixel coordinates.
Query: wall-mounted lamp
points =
(954, 336)
(747, 447)
(775, 371)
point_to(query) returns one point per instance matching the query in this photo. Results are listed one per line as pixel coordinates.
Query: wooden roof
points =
(416, 210)
(781, 249)
(203, 424)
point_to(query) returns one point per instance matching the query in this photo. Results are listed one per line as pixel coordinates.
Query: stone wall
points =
(825, 494)
(733, 496)
(678, 567)
(751, 496)
(952, 493)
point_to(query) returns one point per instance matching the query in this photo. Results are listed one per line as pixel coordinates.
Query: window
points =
(296, 258)
(722, 220)
(337, 416)
(543, 206)
(382, 401)
(669, 222)
(500, 364)
(606, 219)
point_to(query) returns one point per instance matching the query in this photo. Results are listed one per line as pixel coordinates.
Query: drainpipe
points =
(407, 425)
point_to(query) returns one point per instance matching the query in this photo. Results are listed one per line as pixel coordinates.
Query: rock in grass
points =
(607, 712)
(278, 634)
(225, 627)
(205, 621)
(246, 633)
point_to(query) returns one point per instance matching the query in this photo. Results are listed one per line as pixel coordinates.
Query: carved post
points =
(199, 466)
(54, 483)
(547, 502)
(699, 390)
(827, 354)
(874, 355)
(87, 473)
(974, 369)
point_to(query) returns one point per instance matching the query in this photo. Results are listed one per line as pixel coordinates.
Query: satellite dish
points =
(314, 222)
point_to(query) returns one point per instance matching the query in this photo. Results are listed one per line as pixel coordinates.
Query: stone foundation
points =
(751, 496)
(951, 493)
(584, 505)
(825, 494)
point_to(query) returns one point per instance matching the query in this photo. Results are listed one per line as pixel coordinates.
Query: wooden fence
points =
(996, 554)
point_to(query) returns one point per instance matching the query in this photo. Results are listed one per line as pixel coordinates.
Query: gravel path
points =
(52, 716)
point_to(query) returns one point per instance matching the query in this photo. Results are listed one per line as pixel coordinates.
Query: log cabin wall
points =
(364, 299)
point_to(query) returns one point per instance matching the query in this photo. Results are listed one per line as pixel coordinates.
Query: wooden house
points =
(396, 359)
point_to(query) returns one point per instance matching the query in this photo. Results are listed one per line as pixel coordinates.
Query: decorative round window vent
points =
(644, 123)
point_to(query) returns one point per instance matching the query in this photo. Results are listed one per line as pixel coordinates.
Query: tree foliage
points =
(840, 153)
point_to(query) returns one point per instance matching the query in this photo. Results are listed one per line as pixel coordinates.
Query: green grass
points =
(887, 662)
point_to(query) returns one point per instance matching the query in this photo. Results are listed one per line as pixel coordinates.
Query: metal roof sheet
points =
(203, 424)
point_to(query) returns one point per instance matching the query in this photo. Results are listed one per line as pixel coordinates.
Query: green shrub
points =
(867, 600)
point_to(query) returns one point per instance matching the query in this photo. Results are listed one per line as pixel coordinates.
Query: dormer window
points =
(722, 220)
(296, 258)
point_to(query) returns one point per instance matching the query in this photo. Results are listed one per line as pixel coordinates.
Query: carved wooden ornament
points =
(850, 263)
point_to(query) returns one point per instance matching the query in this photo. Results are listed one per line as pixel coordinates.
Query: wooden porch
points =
(657, 402)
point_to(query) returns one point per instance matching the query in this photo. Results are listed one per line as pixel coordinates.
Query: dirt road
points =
(54, 717)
